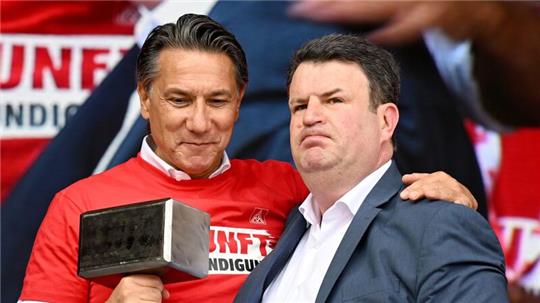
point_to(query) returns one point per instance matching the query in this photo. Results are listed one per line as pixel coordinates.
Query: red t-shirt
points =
(248, 205)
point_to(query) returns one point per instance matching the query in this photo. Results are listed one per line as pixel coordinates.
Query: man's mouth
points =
(198, 144)
(314, 134)
(313, 138)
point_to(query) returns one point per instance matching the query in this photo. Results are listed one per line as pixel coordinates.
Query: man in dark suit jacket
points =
(352, 240)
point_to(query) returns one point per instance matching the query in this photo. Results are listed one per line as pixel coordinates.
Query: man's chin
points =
(200, 169)
(314, 163)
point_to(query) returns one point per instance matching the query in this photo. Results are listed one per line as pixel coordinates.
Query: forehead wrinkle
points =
(185, 71)
(331, 92)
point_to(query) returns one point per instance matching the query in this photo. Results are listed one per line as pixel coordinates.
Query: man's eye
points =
(299, 107)
(217, 102)
(179, 101)
(335, 100)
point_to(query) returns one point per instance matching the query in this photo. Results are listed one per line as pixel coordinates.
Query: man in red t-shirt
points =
(191, 78)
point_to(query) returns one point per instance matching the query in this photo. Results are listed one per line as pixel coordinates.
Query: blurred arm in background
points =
(505, 40)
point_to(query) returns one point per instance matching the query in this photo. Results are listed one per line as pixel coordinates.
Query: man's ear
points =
(388, 114)
(144, 99)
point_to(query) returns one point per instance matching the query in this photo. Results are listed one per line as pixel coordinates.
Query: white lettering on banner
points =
(34, 118)
(237, 250)
(44, 78)
(521, 238)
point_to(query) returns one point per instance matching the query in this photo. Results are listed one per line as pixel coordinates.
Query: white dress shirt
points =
(153, 159)
(302, 276)
(454, 60)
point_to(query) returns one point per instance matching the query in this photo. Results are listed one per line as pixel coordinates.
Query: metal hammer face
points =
(163, 237)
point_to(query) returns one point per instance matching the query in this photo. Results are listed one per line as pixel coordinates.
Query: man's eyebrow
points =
(175, 90)
(220, 92)
(324, 95)
(330, 93)
(179, 91)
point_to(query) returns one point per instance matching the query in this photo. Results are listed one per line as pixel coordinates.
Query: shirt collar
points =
(148, 155)
(352, 199)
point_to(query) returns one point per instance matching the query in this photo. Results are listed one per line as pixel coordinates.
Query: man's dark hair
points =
(377, 64)
(190, 32)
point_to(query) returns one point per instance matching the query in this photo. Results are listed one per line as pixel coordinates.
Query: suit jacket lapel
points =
(387, 187)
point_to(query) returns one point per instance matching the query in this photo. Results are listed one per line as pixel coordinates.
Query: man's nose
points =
(199, 121)
(314, 112)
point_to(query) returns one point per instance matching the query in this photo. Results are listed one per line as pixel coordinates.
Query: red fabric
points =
(68, 17)
(248, 203)
(516, 191)
(515, 204)
(14, 162)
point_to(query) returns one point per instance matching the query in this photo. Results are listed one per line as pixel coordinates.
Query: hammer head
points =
(163, 237)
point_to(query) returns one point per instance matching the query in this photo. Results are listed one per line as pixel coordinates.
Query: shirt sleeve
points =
(454, 61)
(51, 274)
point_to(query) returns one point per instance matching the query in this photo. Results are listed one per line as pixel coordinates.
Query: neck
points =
(329, 185)
(326, 192)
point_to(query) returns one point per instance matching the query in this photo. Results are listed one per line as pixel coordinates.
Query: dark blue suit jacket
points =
(397, 251)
